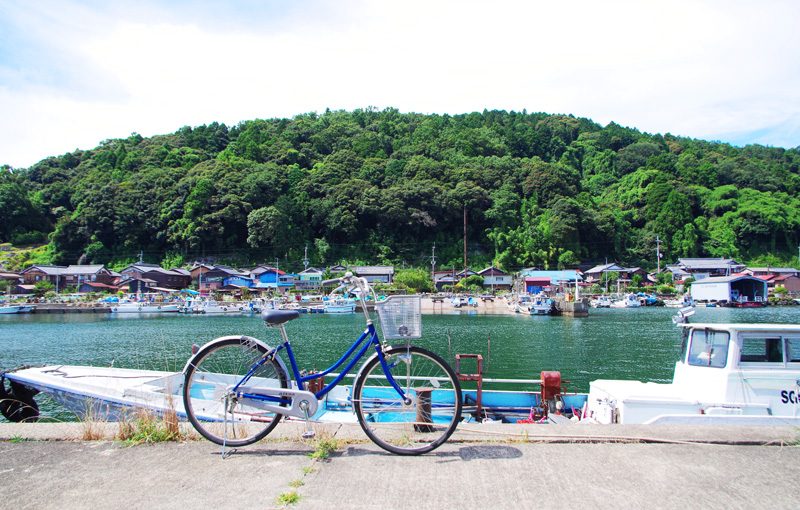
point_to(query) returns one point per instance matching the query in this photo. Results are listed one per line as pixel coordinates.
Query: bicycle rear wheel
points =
(210, 406)
(426, 419)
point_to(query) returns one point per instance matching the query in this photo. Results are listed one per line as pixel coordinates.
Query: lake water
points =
(638, 344)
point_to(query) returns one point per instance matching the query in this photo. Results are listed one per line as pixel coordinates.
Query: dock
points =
(71, 308)
(493, 467)
(571, 308)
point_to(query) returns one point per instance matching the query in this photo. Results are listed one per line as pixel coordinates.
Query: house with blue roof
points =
(539, 281)
(270, 278)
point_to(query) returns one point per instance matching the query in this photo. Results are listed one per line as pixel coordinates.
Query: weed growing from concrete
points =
(93, 423)
(148, 428)
(288, 498)
(296, 484)
(324, 447)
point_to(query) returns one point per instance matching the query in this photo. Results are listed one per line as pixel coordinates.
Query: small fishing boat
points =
(601, 302)
(144, 307)
(520, 304)
(213, 307)
(744, 374)
(10, 309)
(114, 394)
(683, 302)
(338, 305)
(541, 305)
(628, 301)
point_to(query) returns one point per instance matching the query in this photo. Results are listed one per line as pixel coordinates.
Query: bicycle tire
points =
(416, 427)
(210, 372)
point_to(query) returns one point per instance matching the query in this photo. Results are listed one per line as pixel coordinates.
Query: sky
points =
(75, 73)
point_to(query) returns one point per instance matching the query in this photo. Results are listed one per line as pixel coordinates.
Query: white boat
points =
(520, 304)
(338, 305)
(744, 374)
(601, 302)
(114, 394)
(541, 305)
(683, 302)
(143, 307)
(10, 309)
(628, 301)
(117, 393)
(213, 307)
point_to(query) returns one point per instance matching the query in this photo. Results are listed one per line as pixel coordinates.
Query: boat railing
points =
(485, 379)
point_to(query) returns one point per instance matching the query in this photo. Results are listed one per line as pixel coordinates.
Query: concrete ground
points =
(502, 467)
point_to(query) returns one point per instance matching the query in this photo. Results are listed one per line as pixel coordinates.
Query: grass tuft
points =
(93, 423)
(148, 428)
(288, 498)
(324, 448)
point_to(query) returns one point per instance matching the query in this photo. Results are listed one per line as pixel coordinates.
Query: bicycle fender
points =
(241, 338)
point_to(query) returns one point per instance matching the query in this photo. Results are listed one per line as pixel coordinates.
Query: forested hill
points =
(383, 186)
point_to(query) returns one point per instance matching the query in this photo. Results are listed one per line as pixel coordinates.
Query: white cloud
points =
(710, 69)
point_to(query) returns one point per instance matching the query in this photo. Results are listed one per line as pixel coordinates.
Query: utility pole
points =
(658, 254)
(465, 240)
(277, 278)
(305, 258)
(433, 266)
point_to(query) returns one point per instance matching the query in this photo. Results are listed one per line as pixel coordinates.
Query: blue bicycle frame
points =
(367, 338)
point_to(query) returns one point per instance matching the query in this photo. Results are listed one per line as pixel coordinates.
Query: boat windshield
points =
(709, 348)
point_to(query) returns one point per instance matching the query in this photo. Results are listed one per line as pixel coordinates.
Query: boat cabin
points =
(746, 374)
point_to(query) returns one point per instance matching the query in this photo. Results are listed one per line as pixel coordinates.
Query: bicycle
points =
(407, 399)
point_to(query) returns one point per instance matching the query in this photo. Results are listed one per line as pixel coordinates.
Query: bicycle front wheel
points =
(429, 414)
(213, 409)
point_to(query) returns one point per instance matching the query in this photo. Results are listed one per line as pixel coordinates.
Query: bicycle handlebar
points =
(349, 279)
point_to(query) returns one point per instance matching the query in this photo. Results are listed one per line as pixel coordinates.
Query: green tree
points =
(42, 287)
(416, 280)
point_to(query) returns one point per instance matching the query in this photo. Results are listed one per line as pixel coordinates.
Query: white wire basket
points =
(400, 317)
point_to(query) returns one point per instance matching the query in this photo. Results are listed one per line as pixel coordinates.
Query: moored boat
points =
(684, 301)
(727, 374)
(601, 302)
(541, 305)
(213, 307)
(627, 301)
(114, 394)
(10, 309)
(144, 307)
(338, 305)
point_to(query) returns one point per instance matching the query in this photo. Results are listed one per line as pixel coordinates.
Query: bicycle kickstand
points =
(309, 433)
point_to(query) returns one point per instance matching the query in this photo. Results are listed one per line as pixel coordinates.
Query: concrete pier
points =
(572, 308)
(71, 308)
(488, 466)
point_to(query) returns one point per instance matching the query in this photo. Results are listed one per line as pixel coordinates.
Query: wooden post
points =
(424, 420)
